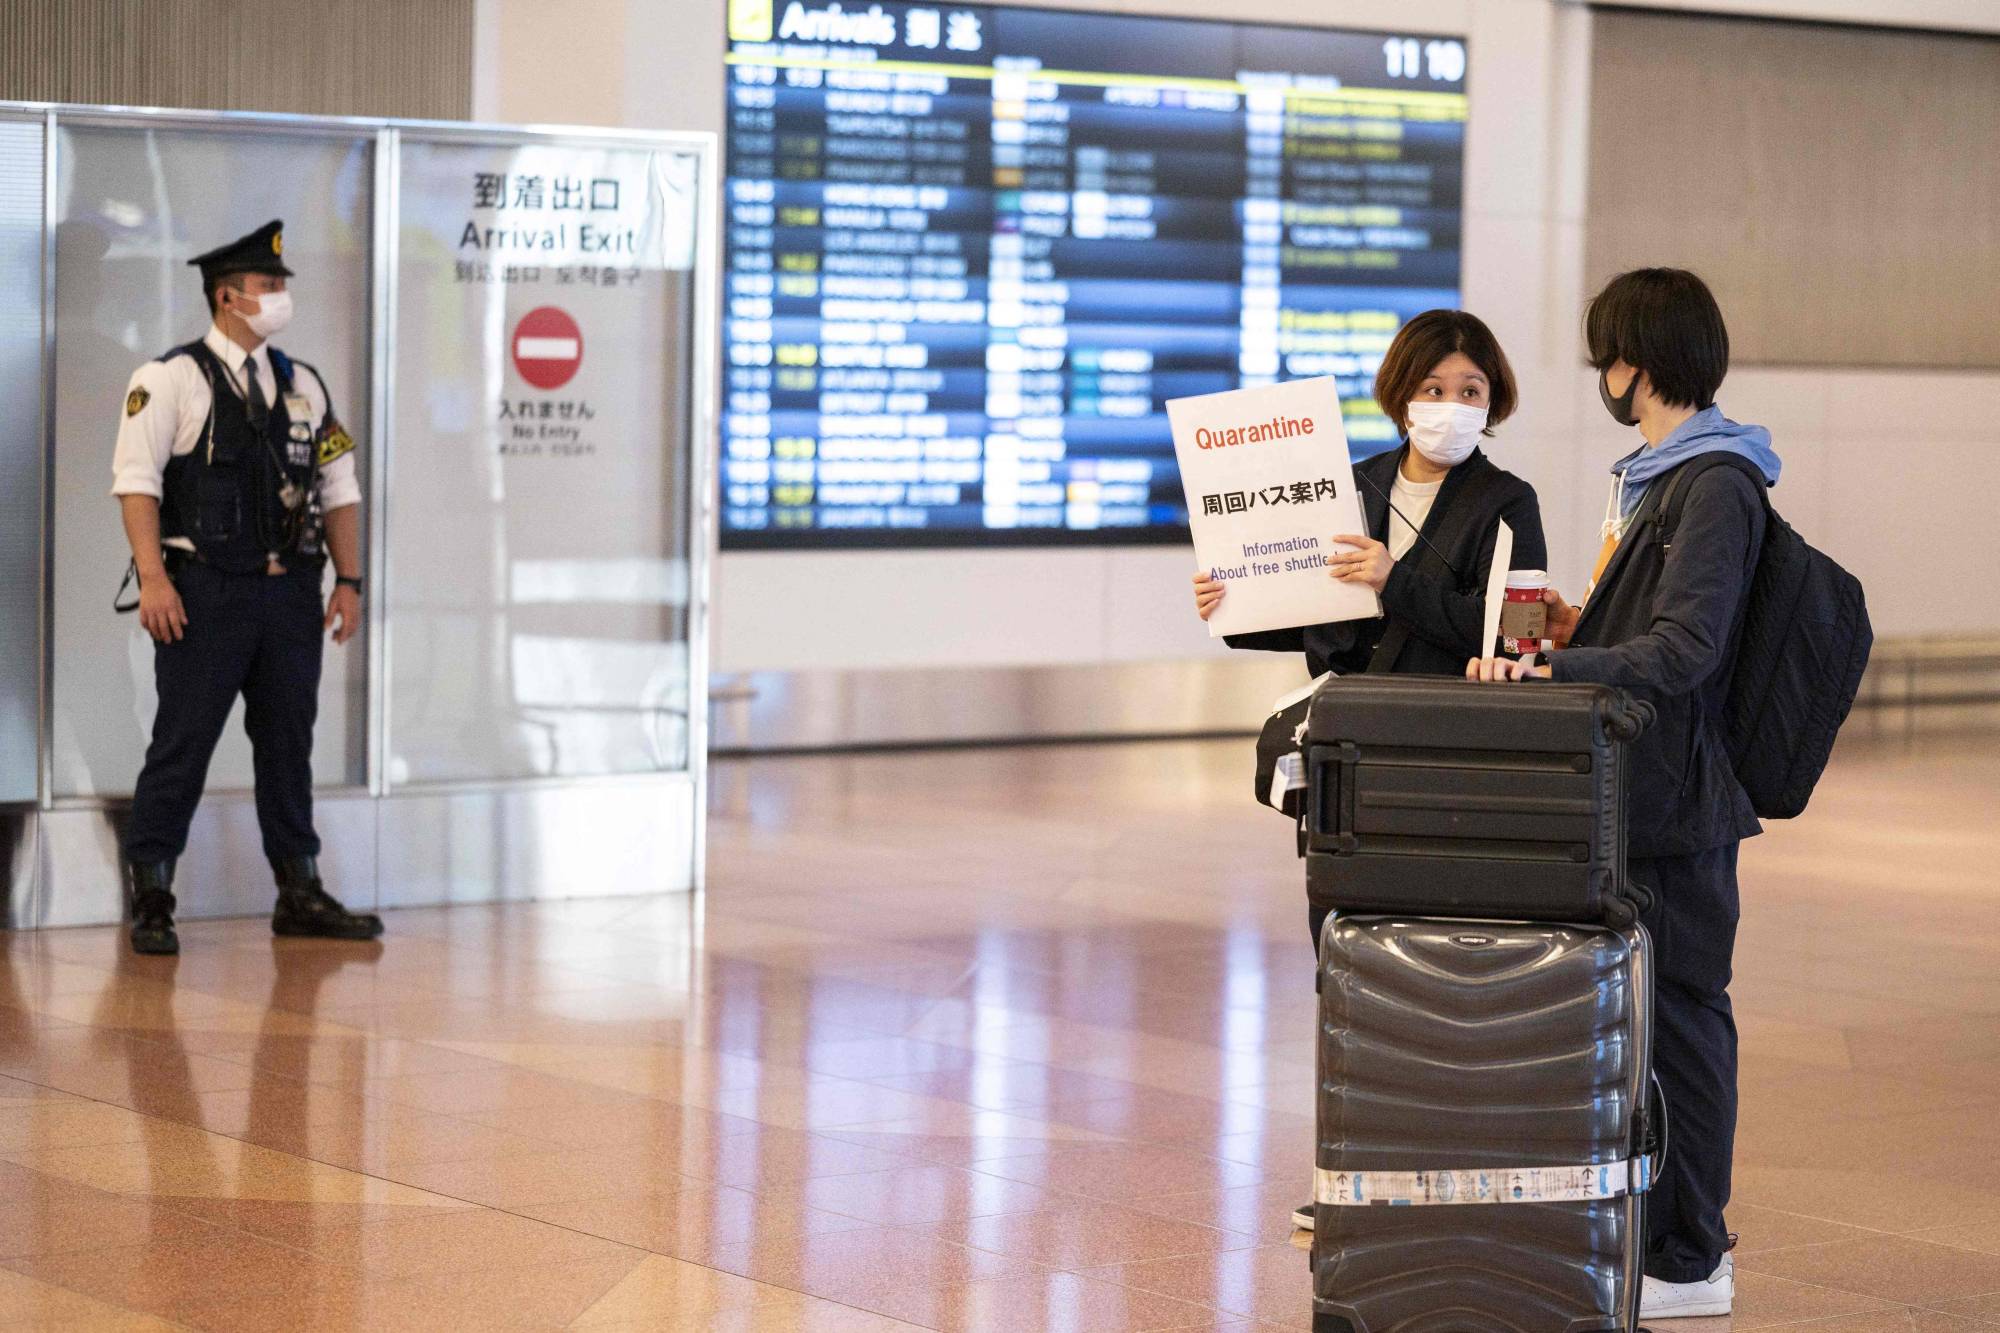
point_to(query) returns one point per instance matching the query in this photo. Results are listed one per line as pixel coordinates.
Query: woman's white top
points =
(1414, 499)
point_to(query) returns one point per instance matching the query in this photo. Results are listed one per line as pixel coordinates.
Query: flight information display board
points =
(972, 250)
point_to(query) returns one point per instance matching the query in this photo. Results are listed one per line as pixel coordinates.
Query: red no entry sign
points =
(548, 347)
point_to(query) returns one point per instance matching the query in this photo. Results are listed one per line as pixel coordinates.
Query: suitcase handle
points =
(1627, 718)
(1654, 1130)
(1330, 785)
(1652, 1145)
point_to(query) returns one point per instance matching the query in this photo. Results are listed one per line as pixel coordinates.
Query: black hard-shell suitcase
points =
(1483, 1126)
(1438, 797)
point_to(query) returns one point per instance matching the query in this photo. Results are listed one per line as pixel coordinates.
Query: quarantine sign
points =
(1269, 485)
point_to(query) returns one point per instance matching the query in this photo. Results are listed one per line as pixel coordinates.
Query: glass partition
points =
(135, 203)
(539, 497)
(20, 457)
(519, 328)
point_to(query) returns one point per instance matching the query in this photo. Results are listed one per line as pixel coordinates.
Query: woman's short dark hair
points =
(1428, 339)
(1665, 322)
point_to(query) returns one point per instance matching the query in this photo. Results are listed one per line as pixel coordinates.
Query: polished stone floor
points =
(1010, 1040)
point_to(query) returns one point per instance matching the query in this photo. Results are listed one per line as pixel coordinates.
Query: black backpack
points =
(1799, 658)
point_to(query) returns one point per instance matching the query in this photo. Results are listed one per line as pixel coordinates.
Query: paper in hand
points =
(1496, 588)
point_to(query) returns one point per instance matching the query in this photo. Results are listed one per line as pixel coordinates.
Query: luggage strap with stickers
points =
(1529, 1184)
(1589, 1183)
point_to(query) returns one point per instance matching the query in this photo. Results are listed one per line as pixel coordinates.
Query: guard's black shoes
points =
(305, 908)
(153, 908)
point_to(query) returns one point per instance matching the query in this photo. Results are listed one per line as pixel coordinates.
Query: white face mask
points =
(1446, 433)
(274, 311)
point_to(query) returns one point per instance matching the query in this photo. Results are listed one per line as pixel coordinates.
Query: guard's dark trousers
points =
(257, 635)
(1693, 925)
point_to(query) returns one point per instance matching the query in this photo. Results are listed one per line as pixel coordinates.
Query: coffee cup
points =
(1524, 617)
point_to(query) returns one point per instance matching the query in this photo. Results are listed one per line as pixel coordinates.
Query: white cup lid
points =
(1528, 578)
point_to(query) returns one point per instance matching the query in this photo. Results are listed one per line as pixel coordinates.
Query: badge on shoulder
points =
(333, 441)
(135, 402)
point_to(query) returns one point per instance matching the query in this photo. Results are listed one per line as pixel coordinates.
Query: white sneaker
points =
(1302, 1217)
(1687, 1300)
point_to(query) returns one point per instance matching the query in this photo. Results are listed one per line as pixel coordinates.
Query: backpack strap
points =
(1453, 529)
(1667, 517)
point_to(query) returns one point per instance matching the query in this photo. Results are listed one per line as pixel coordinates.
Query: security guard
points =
(236, 480)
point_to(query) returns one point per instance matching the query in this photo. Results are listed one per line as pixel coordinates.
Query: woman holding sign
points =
(1434, 508)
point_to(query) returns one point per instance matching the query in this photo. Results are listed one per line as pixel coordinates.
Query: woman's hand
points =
(1369, 562)
(1503, 668)
(1562, 618)
(1207, 594)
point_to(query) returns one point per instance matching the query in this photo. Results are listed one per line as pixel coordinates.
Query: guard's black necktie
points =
(253, 395)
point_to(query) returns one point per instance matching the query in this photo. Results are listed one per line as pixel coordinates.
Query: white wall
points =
(1849, 436)
(1893, 473)
(1946, 15)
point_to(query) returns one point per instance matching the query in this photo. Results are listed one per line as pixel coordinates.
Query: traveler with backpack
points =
(1664, 619)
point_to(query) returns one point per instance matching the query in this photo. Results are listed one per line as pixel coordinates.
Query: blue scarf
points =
(1707, 431)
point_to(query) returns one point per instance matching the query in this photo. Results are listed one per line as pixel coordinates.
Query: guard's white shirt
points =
(175, 410)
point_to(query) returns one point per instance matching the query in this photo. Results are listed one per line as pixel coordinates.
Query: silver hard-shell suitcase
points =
(1484, 1126)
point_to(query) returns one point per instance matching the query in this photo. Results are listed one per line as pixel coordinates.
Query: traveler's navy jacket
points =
(1664, 623)
(1440, 614)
